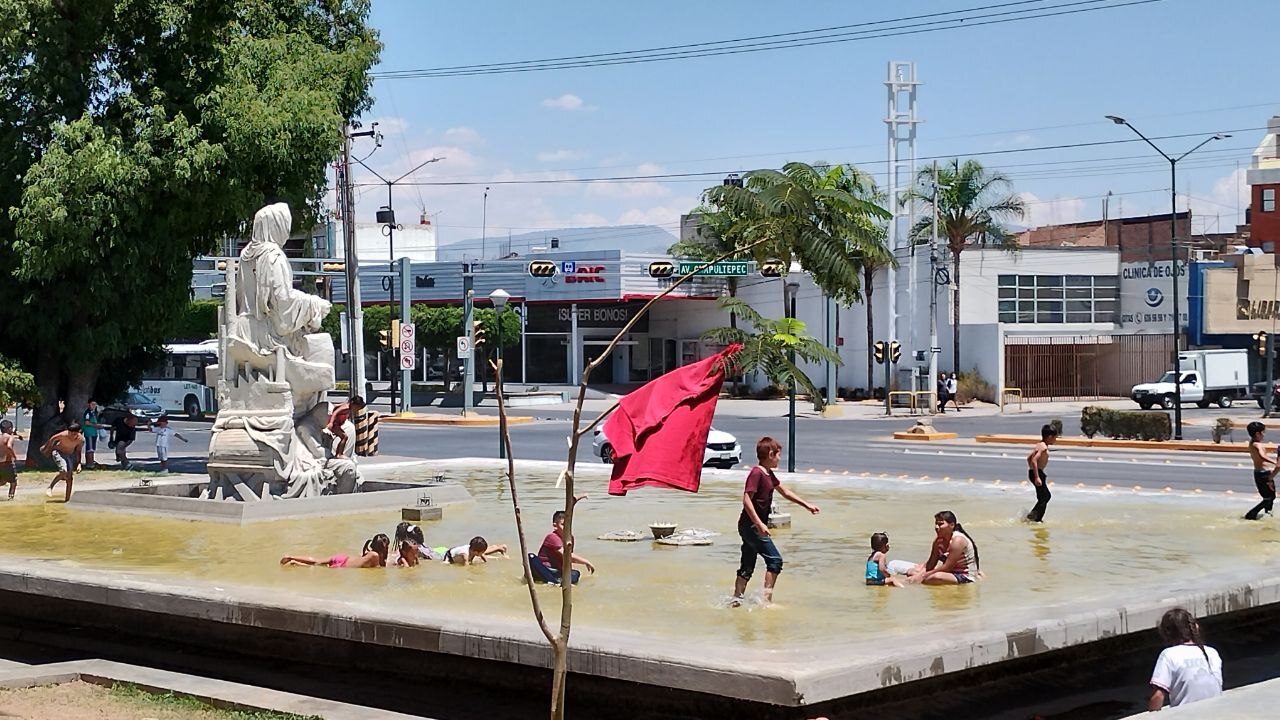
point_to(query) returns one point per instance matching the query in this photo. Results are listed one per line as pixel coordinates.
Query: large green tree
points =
(972, 204)
(134, 135)
(767, 347)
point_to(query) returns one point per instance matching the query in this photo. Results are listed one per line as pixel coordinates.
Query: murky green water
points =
(1091, 548)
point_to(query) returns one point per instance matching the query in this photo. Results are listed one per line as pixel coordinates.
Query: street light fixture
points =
(790, 289)
(1173, 247)
(499, 299)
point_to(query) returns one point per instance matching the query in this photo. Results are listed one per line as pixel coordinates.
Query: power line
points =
(968, 20)
(722, 173)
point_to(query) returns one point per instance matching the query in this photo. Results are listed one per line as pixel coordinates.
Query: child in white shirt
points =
(1187, 670)
(163, 434)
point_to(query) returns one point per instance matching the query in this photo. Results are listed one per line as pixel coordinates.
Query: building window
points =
(1058, 298)
(1268, 200)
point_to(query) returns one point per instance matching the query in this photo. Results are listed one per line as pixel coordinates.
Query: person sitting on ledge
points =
(374, 554)
(547, 564)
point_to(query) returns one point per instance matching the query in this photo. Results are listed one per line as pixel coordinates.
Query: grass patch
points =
(179, 703)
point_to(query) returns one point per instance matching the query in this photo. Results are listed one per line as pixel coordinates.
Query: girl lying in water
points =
(374, 554)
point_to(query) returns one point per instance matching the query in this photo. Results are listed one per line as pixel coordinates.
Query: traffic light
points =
(477, 333)
(771, 268)
(661, 269)
(395, 333)
(542, 268)
(384, 339)
(895, 351)
(879, 352)
(1260, 343)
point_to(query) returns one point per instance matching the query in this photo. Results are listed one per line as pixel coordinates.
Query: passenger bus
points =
(177, 384)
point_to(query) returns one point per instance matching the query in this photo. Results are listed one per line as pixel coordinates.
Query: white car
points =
(722, 451)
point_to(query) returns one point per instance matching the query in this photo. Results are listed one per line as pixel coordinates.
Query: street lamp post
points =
(499, 299)
(1173, 246)
(791, 287)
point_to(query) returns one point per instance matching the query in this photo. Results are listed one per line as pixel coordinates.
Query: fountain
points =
(654, 614)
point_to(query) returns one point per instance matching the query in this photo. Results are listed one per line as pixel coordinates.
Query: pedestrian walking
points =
(1264, 471)
(941, 390)
(953, 390)
(164, 434)
(123, 432)
(89, 427)
(1037, 461)
(753, 523)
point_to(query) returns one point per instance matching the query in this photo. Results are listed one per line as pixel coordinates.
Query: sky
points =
(1171, 67)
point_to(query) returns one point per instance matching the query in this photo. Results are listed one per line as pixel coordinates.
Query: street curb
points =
(924, 436)
(1190, 445)
(445, 420)
(1240, 424)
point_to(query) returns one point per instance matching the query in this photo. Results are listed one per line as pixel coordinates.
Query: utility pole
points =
(933, 290)
(406, 375)
(355, 315)
(469, 373)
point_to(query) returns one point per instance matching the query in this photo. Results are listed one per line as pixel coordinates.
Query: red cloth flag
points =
(659, 432)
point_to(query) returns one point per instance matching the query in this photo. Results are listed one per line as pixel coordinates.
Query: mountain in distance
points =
(629, 238)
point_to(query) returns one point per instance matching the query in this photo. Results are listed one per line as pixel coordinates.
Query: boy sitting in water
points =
(477, 551)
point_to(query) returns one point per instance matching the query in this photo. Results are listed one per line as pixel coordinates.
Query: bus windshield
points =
(184, 362)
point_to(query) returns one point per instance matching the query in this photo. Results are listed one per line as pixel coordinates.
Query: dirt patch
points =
(86, 701)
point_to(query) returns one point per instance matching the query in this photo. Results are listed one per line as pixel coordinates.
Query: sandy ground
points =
(85, 701)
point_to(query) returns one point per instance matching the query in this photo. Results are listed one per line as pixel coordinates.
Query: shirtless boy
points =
(1264, 471)
(8, 457)
(1036, 463)
(340, 415)
(64, 448)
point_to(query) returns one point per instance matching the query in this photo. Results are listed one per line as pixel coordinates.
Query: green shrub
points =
(1056, 424)
(1222, 427)
(1126, 424)
(970, 386)
(197, 321)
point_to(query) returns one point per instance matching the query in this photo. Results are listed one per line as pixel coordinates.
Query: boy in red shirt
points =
(753, 523)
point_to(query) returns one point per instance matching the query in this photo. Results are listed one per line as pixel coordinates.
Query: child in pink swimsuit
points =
(374, 554)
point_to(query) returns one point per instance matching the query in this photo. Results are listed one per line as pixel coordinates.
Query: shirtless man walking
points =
(1037, 461)
(8, 456)
(64, 449)
(1264, 471)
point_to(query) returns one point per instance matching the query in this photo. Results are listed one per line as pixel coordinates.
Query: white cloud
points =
(666, 215)
(638, 189)
(1054, 211)
(389, 125)
(1016, 140)
(567, 101)
(559, 155)
(1216, 211)
(463, 135)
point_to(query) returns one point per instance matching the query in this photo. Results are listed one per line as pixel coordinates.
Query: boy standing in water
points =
(8, 457)
(1264, 471)
(753, 523)
(64, 449)
(1036, 463)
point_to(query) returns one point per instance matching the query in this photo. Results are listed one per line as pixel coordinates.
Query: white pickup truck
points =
(1207, 377)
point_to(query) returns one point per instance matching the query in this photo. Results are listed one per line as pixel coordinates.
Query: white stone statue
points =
(275, 368)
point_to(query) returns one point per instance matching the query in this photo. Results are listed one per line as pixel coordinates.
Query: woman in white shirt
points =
(1187, 670)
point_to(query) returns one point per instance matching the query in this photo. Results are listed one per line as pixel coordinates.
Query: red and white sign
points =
(408, 331)
(408, 346)
(585, 274)
(407, 361)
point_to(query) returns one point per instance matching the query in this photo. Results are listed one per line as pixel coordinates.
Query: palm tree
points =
(767, 347)
(972, 205)
(869, 249)
(713, 237)
(803, 217)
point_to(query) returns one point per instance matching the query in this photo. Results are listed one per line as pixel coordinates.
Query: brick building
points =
(1142, 238)
(1264, 183)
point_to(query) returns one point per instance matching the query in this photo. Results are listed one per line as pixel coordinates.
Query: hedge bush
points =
(1125, 424)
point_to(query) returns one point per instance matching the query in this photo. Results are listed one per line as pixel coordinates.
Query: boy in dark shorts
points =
(753, 523)
(8, 457)
(64, 449)
(1264, 471)
(1036, 463)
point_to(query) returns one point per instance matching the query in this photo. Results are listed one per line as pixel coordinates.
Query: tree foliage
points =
(139, 133)
(972, 204)
(768, 345)
(17, 386)
(805, 214)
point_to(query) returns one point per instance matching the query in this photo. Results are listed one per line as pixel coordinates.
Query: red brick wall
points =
(1264, 226)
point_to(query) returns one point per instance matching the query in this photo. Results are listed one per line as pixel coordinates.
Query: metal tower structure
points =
(901, 122)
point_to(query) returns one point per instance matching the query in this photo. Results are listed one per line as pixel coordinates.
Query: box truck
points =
(1205, 376)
